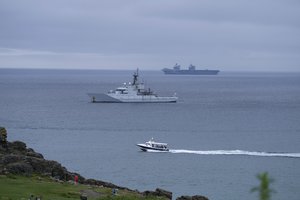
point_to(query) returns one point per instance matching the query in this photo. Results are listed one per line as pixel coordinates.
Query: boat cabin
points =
(156, 145)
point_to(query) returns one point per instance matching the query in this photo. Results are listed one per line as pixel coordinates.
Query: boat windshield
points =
(160, 146)
(156, 145)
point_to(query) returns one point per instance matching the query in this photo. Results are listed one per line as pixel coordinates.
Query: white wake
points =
(237, 152)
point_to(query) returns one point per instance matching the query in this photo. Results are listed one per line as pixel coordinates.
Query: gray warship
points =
(134, 92)
(190, 71)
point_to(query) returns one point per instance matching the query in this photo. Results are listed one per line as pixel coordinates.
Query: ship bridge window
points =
(122, 90)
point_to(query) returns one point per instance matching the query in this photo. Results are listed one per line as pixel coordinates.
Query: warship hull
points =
(190, 72)
(115, 98)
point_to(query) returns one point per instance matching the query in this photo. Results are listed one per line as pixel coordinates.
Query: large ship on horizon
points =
(190, 71)
(134, 92)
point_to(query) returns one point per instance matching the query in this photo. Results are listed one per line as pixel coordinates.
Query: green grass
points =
(20, 187)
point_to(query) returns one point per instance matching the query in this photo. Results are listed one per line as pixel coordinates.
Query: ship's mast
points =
(135, 77)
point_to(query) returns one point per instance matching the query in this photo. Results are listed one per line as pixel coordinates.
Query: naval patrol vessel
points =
(134, 92)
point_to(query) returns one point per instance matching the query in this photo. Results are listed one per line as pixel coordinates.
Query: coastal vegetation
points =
(264, 189)
(43, 187)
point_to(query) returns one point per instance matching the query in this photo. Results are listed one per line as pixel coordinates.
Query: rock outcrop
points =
(196, 197)
(159, 192)
(15, 158)
(3, 136)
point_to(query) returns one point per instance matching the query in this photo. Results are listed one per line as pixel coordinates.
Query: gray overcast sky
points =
(244, 35)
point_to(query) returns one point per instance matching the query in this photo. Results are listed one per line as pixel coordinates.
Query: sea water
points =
(223, 131)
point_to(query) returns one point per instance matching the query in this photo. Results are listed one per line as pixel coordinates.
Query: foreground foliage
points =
(264, 188)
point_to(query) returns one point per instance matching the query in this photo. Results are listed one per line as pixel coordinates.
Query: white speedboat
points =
(151, 145)
(134, 92)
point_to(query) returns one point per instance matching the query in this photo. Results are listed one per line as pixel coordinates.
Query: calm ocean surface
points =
(224, 130)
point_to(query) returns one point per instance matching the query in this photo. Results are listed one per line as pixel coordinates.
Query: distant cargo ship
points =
(190, 71)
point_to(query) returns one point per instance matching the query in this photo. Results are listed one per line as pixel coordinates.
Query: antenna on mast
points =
(135, 76)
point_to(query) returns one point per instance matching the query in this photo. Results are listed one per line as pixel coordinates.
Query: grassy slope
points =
(20, 187)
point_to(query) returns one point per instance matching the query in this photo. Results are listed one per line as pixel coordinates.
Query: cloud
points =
(216, 33)
(265, 12)
(23, 52)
